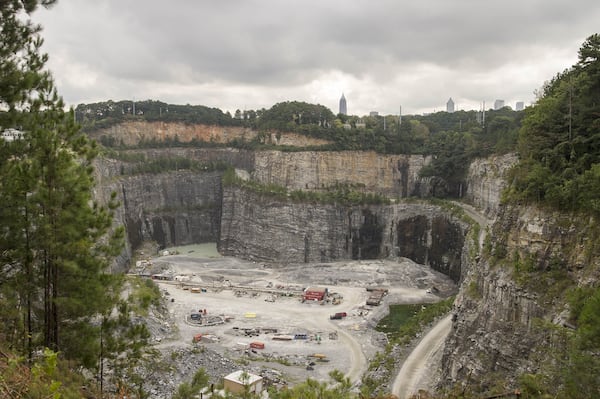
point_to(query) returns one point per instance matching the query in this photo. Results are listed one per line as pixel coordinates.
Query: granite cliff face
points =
(169, 209)
(392, 175)
(258, 227)
(133, 132)
(176, 208)
(518, 284)
(485, 181)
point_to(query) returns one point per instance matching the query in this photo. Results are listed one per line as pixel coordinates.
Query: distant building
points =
(343, 108)
(373, 113)
(519, 106)
(11, 134)
(498, 104)
(450, 105)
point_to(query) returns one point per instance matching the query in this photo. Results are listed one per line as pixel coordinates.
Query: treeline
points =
(109, 113)
(559, 144)
(413, 134)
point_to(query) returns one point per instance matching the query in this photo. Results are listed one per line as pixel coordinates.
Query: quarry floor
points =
(261, 303)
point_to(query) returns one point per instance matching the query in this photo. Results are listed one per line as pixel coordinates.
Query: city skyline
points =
(380, 55)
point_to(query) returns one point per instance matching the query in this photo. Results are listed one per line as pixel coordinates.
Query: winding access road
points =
(414, 369)
(414, 372)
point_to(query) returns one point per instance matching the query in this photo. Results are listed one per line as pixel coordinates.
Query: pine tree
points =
(54, 243)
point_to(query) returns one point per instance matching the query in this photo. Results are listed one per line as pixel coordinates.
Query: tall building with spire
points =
(450, 105)
(343, 109)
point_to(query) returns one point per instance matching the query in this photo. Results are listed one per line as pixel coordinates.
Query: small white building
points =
(241, 381)
(11, 134)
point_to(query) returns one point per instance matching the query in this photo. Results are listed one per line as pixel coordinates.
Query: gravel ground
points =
(257, 302)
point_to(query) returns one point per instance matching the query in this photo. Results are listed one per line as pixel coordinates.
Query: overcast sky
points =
(252, 54)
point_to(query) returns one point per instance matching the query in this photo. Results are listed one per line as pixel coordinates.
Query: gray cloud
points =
(253, 53)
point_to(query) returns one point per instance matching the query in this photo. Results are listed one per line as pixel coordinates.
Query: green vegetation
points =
(61, 307)
(574, 366)
(56, 243)
(340, 387)
(145, 293)
(109, 113)
(401, 325)
(473, 290)
(47, 377)
(404, 322)
(559, 143)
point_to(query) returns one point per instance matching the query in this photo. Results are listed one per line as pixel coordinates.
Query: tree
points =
(54, 246)
(559, 141)
(21, 64)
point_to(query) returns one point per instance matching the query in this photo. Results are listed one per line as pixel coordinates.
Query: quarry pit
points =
(257, 315)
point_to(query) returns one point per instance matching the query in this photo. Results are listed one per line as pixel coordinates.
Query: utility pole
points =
(399, 117)
(483, 115)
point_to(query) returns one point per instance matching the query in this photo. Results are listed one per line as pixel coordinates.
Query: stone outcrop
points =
(255, 226)
(175, 209)
(486, 180)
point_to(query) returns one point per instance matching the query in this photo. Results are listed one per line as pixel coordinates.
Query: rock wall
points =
(486, 180)
(112, 168)
(511, 291)
(392, 175)
(172, 209)
(258, 227)
(131, 133)
(176, 208)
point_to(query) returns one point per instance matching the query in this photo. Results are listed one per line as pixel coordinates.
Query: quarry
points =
(271, 246)
(243, 304)
(261, 316)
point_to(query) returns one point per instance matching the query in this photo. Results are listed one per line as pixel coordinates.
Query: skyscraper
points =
(498, 104)
(450, 105)
(343, 109)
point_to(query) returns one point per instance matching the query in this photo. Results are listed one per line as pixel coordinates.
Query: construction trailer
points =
(257, 345)
(315, 294)
(241, 381)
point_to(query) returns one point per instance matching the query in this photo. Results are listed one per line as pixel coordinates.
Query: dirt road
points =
(479, 218)
(414, 369)
(414, 373)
